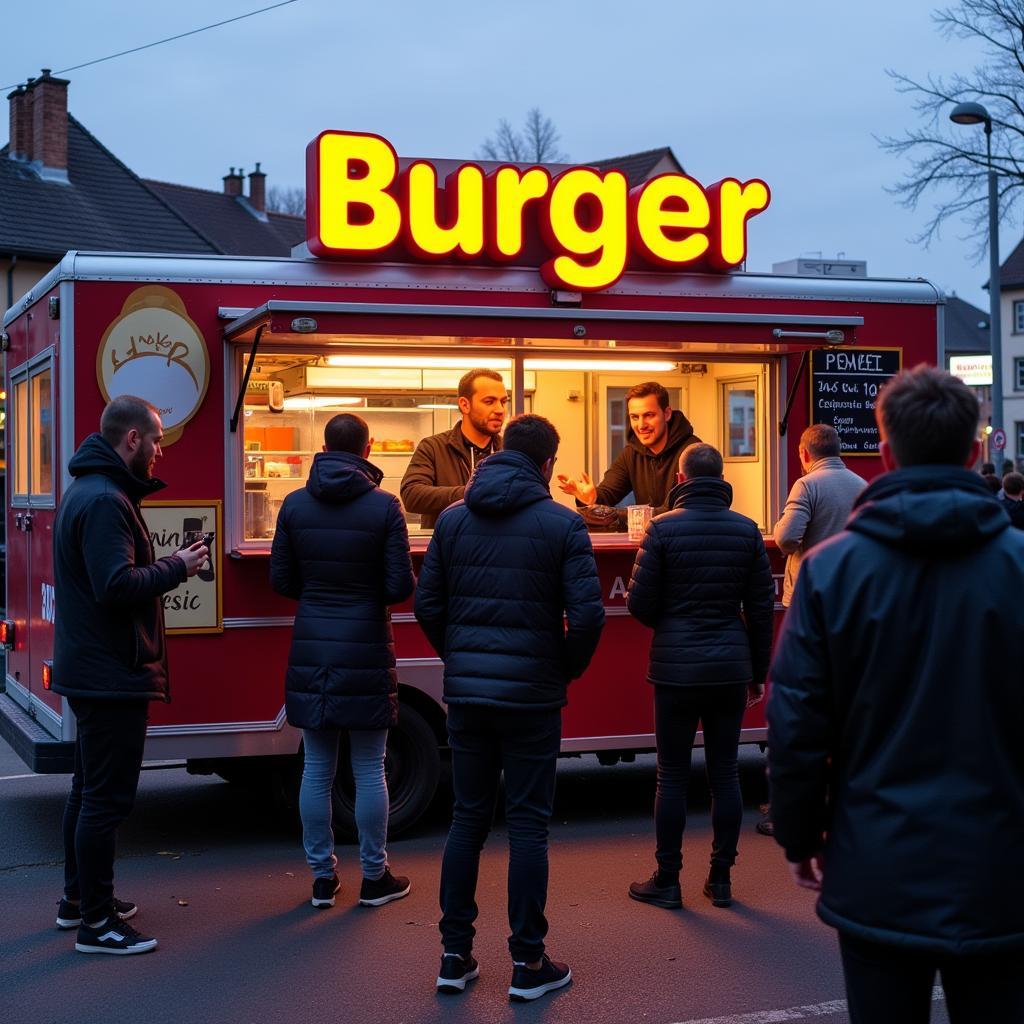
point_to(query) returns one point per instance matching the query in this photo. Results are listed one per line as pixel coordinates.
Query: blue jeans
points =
(522, 744)
(321, 765)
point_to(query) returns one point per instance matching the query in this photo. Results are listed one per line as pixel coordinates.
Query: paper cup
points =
(637, 518)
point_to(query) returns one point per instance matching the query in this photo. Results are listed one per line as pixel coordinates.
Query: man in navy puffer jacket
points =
(702, 581)
(341, 549)
(509, 598)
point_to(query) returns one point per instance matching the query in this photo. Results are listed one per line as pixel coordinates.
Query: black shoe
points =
(376, 892)
(720, 893)
(527, 984)
(113, 937)
(69, 915)
(668, 896)
(324, 890)
(456, 971)
(765, 827)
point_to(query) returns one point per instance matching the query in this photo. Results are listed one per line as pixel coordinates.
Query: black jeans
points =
(485, 742)
(677, 710)
(108, 758)
(890, 985)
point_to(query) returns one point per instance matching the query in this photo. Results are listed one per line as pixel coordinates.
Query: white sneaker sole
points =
(322, 903)
(391, 897)
(457, 984)
(526, 994)
(142, 947)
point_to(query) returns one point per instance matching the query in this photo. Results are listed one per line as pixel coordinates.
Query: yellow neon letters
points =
(589, 224)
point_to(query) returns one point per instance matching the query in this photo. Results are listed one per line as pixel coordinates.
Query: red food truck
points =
(570, 285)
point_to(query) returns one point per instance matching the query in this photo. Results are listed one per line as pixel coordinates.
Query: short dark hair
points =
(993, 482)
(700, 460)
(532, 435)
(928, 416)
(649, 387)
(124, 413)
(467, 384)
(1013, 483)
(346, 432)
(821, 441)
(987, 467)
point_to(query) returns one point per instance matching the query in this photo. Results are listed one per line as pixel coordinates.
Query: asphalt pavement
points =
(221, 882)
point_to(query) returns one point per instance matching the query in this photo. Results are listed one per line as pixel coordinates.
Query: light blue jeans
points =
(321, 764)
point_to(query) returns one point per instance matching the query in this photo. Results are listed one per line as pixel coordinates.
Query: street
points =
(222, 883)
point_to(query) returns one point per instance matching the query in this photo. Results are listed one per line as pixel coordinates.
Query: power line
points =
(159, 42)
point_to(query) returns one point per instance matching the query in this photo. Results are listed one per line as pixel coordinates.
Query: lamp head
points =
(970, 113)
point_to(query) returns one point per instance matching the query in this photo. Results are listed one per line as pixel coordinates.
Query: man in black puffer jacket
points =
(109, 658)
(895, 723)
(702, 581)
(506, 570)
(341, 549)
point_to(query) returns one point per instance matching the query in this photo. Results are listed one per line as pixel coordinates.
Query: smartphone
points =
(208, 539)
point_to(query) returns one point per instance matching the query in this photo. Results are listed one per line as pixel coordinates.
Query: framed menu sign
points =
(195, 605)
(844, 388)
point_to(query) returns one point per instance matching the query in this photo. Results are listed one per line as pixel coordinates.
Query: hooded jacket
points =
(341, 549)
(650, 477)
(698, 568)
(109, 627)
(438, 473)
(896, 715)
(508, 594)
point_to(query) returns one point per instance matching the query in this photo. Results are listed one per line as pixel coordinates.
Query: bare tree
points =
(537, 142)
(949, 159)
(286, 200)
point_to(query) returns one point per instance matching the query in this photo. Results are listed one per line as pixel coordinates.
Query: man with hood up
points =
(109, 658)
(510, 599)
(341, 549)
(647, 464)
(895, 724)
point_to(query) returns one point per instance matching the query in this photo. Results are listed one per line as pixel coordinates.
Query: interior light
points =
(437, 405)
(603, 365)
(421, 362)
(321, 401)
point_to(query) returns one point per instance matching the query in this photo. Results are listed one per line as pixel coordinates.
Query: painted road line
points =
(827, 1009)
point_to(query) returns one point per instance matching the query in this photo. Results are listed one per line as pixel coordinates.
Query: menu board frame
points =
(814, 374)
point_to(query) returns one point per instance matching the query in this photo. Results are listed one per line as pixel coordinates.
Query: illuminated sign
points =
(590, 222)
(973, 370)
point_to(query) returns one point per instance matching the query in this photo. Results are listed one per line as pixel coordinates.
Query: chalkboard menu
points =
(844, 388)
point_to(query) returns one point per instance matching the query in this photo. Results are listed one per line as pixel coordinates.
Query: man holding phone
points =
(109, 656)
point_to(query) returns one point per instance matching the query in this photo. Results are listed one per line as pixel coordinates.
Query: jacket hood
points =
(96, 455)
(338, 477)
(504, 483)
(680, 430)
(705, 491)
(929, 508)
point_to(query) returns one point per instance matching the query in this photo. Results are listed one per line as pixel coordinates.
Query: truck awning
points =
(550, 329)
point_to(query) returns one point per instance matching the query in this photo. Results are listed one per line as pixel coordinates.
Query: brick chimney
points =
(50, 126)
(233, 182)
(258, 190)
(21, 124)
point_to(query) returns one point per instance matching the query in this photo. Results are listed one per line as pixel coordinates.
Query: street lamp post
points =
(975, 113)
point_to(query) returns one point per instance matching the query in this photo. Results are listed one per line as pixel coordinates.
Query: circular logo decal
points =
(153, 350)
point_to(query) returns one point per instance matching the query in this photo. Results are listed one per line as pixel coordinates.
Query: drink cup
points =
(637, 518)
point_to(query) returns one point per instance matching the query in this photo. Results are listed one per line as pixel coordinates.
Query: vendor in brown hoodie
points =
(647, 464)
(442, 464)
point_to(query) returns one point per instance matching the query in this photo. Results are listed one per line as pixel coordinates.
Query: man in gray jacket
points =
(819, 503)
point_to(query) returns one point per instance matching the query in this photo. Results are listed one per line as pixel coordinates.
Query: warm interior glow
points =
(320, 401)
(453, 363)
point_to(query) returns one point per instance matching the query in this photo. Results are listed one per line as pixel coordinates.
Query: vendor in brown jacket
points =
(442, 464)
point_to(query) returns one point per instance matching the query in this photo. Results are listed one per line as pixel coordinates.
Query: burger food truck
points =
(565, 281)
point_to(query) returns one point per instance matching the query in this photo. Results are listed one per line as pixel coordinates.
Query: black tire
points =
(412, 765)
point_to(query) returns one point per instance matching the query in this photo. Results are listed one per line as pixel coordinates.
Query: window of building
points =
(1018, 374)
(1018, 317)
(738, 403)
(1019, 438)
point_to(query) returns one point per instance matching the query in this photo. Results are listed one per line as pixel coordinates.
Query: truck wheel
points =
(412, 765)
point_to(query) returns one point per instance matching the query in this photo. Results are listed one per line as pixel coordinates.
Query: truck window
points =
(20, 445)
(41, 444)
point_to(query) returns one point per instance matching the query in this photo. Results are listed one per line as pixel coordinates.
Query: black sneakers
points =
(324, 890)
(668, 896)
(377, 892)
(113, 936)
(719, 892)
(527, 984)
(69, 915)
(456, 971)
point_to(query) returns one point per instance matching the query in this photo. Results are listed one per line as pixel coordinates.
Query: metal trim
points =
(31, 704)
(257, 621)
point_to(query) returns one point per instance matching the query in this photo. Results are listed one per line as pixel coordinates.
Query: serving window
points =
(406, 396)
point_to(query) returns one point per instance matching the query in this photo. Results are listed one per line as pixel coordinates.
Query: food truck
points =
(565, 281)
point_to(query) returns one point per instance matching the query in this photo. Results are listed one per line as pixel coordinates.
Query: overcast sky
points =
(791, 91)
